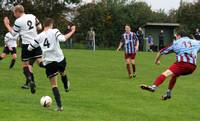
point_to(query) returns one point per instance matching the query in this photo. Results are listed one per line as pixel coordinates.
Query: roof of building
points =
(163, 24)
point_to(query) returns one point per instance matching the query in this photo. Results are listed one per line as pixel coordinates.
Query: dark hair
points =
(48, 22)
(128, 25)
(183, 34)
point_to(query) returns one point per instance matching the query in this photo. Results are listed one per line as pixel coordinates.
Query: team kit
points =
(44, 49)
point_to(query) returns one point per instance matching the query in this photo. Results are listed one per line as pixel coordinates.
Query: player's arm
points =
(63, 38)
(68, 35)
(157, 60)
(34, 44)
(7, 24)
(164, 51)
(13, 30)
(120, 46)
(121, 43)
(38, 24)
(137, 44)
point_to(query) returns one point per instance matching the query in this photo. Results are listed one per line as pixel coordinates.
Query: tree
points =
(189, 15)
(55, 9)
(109, 17)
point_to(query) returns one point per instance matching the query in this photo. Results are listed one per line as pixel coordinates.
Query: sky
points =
(165, 4)
(161, 4)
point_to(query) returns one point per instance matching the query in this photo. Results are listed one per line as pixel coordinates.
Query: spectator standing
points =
(150, 43)
(140, 35)
(197, 34)
(161, 40)
(91, 39)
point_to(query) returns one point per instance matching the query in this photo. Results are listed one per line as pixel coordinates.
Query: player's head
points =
(49, 22)
(181, 34)
(18, 11)
(127, 28)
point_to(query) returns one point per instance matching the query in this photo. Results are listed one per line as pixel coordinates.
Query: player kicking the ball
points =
(10, 47)
(186, 50)
(26, 25)
(53, 58)
(131, 44)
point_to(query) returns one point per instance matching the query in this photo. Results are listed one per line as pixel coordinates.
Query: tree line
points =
(108, 17)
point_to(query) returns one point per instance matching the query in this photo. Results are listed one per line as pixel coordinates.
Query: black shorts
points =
(28, 55)
(7, 51)
(53, 68)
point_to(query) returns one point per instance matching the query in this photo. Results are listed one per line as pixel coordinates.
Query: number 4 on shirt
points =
(46, 43)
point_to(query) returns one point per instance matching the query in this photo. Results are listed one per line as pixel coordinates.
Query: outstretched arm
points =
(68, 35)
(157, 60)
(7, 24)
(62, 38)
(120, 46)
(38, 24)
(13, 30)
(164, 51)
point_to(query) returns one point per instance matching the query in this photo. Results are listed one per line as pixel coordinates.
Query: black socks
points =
(12, 63)
(41, 65)
(32, 76)
(27, 74)
(57, 96)
(65, 81)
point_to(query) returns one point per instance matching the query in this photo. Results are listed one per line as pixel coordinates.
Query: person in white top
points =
(52, 55)
(10, 47)
(26, 25)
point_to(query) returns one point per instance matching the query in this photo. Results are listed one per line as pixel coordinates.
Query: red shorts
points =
(182, 68)
(130, 56)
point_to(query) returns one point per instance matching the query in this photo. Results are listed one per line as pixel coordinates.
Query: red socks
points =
(172, 82)
(159, 80)
(128, 69)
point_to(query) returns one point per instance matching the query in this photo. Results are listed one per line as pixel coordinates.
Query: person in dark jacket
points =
(161, 39)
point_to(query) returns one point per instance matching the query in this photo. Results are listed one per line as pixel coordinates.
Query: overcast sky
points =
(164, 4)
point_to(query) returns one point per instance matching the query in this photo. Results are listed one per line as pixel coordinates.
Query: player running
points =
(53, 58)
(26, 25)
(10, 47)
(131, 44)
(186, 50)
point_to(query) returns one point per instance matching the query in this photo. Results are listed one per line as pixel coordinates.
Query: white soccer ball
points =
(46, 101)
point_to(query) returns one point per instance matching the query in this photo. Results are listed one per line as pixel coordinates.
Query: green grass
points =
(101, 91)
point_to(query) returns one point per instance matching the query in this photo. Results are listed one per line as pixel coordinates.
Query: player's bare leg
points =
(133, 67)
(56, 93)
(171, 85)
(159, 80)
(12, 63)
(65, 81)
(39, 62)
(3, 55)
(128, 63)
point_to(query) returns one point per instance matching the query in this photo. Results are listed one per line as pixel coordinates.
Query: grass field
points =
(101, 91)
